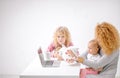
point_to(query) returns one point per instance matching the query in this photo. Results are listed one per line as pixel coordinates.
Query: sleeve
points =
(104, 60)
(71, 44)
(84, 54)
(51, 47)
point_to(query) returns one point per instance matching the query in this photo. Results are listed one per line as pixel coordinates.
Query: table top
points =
(35, 68)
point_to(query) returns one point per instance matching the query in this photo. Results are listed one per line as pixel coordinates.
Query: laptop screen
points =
(48, 63)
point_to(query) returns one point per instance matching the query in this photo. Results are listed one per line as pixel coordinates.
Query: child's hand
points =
(79, 59)
(70, 60)
(59, 58)
(55, 54)
(70, 53)
(99, 69)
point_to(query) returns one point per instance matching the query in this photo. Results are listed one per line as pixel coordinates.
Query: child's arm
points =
(51, 47)
(59, 57)
(70, 53)
(100, 69)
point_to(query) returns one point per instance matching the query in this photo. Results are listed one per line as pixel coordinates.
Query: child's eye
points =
(62, 36)
(58, 36)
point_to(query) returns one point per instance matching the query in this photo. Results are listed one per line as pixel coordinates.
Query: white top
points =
(92, 57)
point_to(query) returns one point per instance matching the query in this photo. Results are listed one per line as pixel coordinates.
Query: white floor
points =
(9, 76)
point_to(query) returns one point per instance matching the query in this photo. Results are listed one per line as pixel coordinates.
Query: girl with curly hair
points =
(62, 37)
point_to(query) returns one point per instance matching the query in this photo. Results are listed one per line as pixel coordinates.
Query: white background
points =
(25, 25)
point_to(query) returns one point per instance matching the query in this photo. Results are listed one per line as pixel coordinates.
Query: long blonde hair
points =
(108, 37)
(63, 30)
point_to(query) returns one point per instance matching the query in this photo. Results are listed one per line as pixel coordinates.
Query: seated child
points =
(61, 37)
(93, 55)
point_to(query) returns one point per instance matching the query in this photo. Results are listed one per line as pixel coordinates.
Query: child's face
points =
(92, 49)
(61, 38)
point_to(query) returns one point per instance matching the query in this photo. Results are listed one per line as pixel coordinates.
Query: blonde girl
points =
(61, 37)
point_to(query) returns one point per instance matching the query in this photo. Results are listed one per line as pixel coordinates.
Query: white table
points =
(35, 70)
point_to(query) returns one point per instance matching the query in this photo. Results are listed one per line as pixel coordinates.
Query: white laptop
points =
(48, 62)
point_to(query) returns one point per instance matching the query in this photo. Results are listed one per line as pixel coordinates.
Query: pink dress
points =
(84, 72)
(51, 47)
(87, 70)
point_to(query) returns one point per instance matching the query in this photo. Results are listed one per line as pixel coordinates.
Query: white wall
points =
(27, 24)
